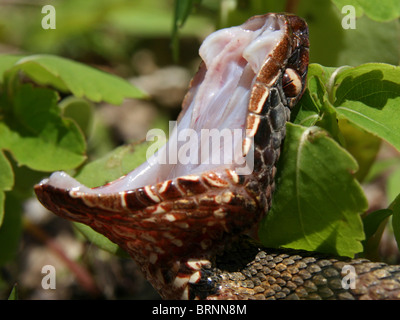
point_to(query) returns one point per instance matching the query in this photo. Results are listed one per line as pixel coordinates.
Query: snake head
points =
(171, 217)
(294, 78)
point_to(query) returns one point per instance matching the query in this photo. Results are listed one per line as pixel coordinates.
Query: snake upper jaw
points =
(173, 219)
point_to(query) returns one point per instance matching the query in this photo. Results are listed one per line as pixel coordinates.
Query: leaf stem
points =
(82, 275)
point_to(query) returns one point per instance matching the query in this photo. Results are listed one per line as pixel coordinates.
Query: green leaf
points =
(113, 165)
(325, 74)
(6, 173)
(2, 202)
(79, 110)
(382, 10)
(317, 202)
(183, 8)
(79, 79)
(315, 107)
(36, 134)
(373, 220)
(370, 41)
(6, 182)
(379, 167)
(374, 225)
(11, 229)
(355, 3)
(395, 207)
(363, 146)
(328, 121)
(393, 183)
(307, 110)
(334, 46)
(100, 240)
(368, 96)
(14, 293)
(6, 62)
(315, 101)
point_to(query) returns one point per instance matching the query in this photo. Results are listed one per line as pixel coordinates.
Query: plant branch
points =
(291, 6)
(81, 274)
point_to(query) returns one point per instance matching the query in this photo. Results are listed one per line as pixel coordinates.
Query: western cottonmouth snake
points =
(184, 224)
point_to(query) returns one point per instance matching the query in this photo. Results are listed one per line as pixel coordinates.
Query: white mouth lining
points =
(233, 57)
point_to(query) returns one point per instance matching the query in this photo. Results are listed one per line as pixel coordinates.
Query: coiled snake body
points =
(184, 224)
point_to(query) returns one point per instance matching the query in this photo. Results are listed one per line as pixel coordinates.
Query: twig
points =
(291, 6)
(81, 274)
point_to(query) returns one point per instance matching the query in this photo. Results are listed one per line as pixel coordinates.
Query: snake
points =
(188, 223)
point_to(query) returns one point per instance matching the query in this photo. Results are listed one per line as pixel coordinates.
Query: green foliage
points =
(14, 293)
(375, 37)
(315, 171)
(384, 10)
(368, 97)
(183, 9)
(101, 29)
(39, 131)
(99, 240)
(318, 201)
(61, 73)
(36, 134)
(47, 107)
(340, 123)
(113, 165)
(6, 181)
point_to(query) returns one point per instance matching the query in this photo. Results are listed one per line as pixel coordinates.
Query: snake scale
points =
(184, 224)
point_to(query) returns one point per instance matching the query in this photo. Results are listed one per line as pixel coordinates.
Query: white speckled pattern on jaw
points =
(232, 57)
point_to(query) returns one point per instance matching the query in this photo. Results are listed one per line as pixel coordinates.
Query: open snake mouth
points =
(214, 131)
(172, 216)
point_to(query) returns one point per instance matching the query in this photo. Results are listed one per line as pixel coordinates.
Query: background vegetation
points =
(55, 114)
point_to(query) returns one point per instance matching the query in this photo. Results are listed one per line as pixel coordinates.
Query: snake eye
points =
(291, 83)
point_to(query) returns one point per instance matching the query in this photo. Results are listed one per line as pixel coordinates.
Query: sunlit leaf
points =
(6, 62)
(369, 96)
(37, 136)
(113, 165)
(318, 202)
(79, 110)
(383, 10)
(79, 79)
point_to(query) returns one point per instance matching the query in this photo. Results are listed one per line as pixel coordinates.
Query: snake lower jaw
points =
(173, 219)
